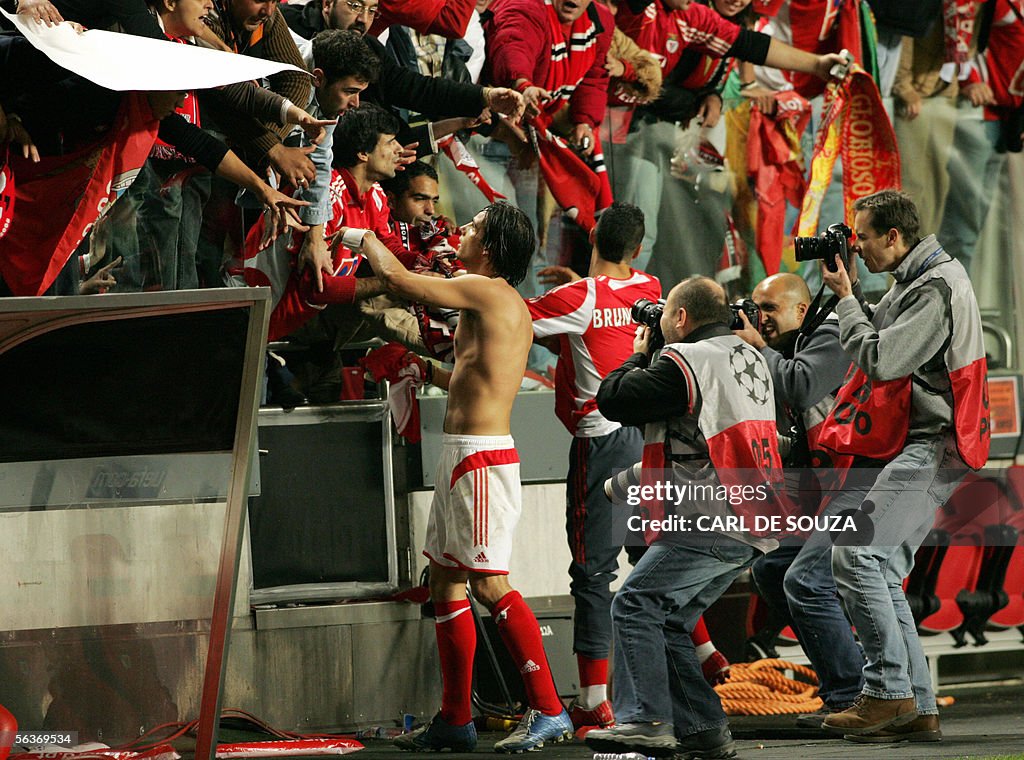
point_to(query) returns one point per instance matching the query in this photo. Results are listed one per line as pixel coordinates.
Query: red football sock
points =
(521, 634)
(337, 289)
(592, 672)
(700, 633)
(456, 644)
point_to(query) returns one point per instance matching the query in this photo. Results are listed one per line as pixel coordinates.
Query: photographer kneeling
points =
(705, 404)
(799, 338)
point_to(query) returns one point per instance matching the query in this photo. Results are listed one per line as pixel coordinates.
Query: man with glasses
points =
(306, 20)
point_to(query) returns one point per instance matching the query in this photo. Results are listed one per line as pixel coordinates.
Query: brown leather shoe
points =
(870, 715)
(924, 728)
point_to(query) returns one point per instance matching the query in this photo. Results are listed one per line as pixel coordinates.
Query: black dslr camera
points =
(829, 244)
(749, 308)
(649, 313)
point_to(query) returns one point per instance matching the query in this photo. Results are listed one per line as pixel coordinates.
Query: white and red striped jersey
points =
(591, 319)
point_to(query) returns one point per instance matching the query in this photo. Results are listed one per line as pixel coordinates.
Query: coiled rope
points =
(763, 688)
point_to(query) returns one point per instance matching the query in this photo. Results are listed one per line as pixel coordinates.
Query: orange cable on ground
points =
(762, 688)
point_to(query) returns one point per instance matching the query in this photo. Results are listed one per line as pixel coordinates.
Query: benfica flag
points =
(61, 197)
(856, 128)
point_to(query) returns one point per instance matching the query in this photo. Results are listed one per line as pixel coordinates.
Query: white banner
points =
(126, 62)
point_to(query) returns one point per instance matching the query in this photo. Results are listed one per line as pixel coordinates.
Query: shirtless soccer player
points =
(477, 493)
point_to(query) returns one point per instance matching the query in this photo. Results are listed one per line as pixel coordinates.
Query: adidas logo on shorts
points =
(480, 558)
(529, 667)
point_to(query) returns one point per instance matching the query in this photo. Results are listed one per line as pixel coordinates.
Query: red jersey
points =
(667, 33)
(591, 319)
(522, 43)
(1004, 56)
(275, 266)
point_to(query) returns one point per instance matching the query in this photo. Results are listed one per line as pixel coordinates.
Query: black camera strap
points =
(818, 312)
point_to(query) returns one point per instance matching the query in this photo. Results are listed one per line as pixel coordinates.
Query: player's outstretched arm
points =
(468, 291)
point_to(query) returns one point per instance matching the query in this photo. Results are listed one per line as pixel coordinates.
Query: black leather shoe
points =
(707, 745)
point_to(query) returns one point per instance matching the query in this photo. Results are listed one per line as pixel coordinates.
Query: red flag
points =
(579, 187)
(775, 160)
(60, 198)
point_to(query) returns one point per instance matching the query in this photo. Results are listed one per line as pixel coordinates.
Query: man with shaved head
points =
(800, 342)
(705, 405)
(783, 300)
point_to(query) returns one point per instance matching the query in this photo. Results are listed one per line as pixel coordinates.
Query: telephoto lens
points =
(831, 243)
(616, 488)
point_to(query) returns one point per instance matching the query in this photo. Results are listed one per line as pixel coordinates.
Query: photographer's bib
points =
(872, 418)
(730, 422)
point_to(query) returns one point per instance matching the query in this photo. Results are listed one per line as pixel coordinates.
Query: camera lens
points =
(809, 248)
(646, 312)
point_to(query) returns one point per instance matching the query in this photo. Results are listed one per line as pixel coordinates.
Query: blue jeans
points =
(159, 244)
(657, 675)
(901, 504)
(798, 579)
(974, 149)
(588, 525)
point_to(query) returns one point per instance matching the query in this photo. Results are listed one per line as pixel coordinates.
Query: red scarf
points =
(856, 127)
(734, 255)
(572, 56)
(60, 198)
(465, 163)
(958, 26)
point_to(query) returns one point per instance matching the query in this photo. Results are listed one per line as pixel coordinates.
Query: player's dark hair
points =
(619, 231)
(507, 236)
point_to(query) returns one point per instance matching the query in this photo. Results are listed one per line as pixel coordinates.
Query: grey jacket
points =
(900, 337)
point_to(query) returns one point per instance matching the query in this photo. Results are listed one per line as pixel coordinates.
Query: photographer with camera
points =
(587, 323)
(799, 338)
(590, 324)
(917, 407)
(704, 402)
